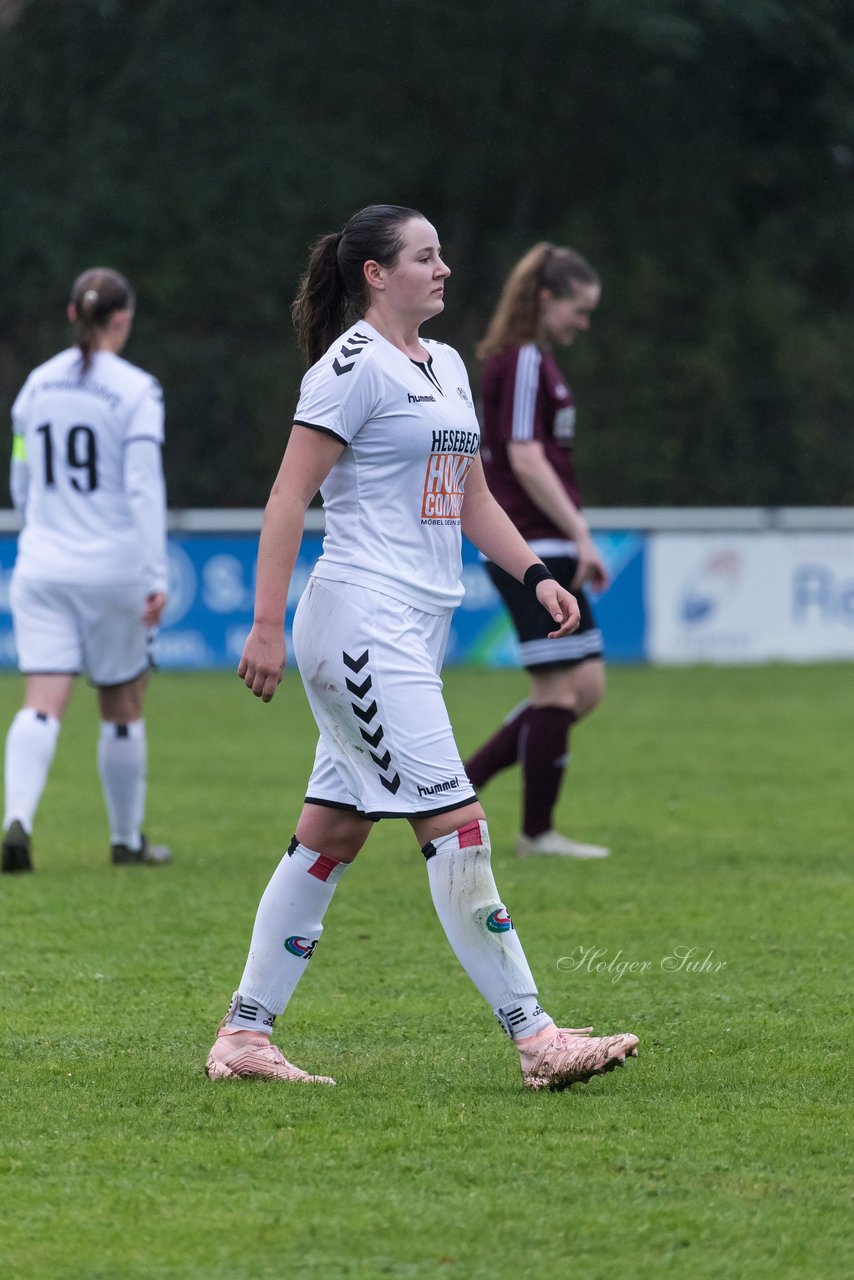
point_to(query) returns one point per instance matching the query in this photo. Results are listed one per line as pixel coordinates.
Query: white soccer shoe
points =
(552, 843)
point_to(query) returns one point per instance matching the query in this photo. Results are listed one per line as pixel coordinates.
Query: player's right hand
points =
(262, 663)
(155, 603)
(590, 567)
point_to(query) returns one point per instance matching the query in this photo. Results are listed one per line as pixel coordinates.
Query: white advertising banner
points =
(752, 597)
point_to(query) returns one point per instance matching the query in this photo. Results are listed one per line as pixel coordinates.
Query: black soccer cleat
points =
(153, 855)
(16, 849)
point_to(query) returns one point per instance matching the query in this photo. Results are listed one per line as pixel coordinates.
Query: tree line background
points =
(700, 153)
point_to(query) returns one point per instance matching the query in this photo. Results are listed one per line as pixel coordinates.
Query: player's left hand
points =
(562, 606)
(155, 603)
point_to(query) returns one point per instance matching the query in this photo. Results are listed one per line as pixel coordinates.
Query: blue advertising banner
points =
(481, 632)
(212, 587)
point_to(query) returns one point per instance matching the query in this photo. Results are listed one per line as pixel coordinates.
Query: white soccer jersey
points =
(394, 497)
(95, 512)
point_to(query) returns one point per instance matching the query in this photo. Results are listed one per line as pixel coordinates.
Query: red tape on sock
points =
(323, 867)
(469, 835)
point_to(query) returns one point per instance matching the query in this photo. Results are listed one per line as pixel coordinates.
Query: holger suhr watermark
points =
(681, 959)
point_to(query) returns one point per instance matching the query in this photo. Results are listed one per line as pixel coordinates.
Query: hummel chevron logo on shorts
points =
(372, 733)
(359, 689)
(367, 713)
(372, 739)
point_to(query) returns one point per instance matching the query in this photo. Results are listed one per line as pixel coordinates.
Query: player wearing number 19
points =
(89, 584)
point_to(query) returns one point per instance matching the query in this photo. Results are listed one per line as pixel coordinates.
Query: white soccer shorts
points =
(64, 628)
(370, 665)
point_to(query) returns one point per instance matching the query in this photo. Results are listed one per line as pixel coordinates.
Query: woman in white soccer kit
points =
(385, 429)
(90, 577)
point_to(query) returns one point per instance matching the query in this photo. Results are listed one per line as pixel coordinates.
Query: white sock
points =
(30, 746)
(287, 930)
(480, 930)
(249, 1015)
(122, 767)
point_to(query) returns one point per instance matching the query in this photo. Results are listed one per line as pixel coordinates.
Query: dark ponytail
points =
(321, 305)
(95, 295)
(333, 285)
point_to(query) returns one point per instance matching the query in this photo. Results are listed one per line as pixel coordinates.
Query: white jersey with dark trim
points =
(81, 522)
(394, 497)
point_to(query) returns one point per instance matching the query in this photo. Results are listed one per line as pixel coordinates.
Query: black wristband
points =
(535, 575)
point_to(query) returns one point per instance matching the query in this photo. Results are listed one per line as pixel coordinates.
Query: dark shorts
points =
(533, 623)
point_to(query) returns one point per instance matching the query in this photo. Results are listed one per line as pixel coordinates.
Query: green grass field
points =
(721, 1152)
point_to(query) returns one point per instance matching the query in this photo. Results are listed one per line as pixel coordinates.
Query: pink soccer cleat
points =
(559, 1057)
(249, 1055)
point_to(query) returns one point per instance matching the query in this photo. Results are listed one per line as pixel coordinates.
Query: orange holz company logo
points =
(444, 486)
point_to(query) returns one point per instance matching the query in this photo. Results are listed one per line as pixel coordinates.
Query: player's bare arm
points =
(308, 459)
(543, 486)
(492, 531)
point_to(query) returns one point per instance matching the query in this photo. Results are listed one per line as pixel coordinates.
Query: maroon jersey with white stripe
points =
(525, 397)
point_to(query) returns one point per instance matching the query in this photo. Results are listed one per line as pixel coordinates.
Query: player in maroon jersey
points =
(528, 431)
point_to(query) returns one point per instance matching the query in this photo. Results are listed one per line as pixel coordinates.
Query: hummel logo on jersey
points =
(420, 399)
(357, 342)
